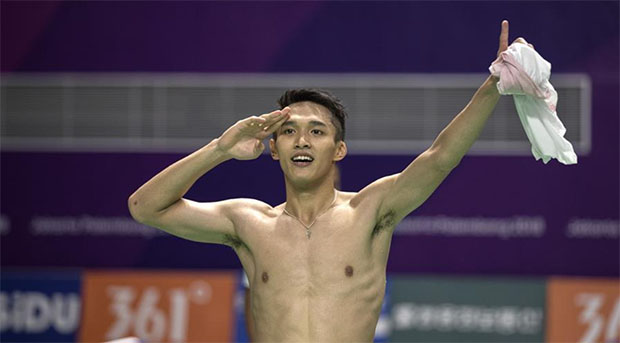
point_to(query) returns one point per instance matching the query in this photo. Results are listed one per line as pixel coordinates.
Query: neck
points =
(308, 203)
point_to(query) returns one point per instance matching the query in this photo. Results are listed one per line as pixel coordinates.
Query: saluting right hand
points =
(244, 140)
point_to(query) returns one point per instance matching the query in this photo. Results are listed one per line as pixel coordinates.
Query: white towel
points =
(525, 74)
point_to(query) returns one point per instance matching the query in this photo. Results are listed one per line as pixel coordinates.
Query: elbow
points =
(446, 162)
(141, 211)
(450, 164)
(135, 209)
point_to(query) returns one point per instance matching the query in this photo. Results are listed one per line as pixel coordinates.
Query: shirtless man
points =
(317, 262)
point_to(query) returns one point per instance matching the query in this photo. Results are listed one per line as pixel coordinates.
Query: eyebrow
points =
(312, 123)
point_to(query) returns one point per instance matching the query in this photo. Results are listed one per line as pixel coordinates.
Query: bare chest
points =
(309, 288)
(337, 247)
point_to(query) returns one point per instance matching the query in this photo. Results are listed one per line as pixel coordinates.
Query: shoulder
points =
(368, 203)
(365, 206)
(248, 216)
(247, 206)
(368, 200)
(372, 194)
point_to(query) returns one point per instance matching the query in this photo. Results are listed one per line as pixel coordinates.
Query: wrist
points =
(490, 85)
(218, 154)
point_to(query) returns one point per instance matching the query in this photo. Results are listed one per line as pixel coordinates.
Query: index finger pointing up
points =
(503, 36)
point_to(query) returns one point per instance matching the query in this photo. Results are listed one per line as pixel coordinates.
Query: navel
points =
(348, 271)
(265, 277)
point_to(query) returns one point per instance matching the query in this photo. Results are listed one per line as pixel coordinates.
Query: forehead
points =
(307, 111)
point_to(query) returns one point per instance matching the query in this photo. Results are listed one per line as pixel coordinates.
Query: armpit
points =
(234, 241)
(386, 221)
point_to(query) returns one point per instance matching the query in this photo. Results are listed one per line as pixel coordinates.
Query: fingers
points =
(275, 115)
(271, 115)
(503, 36)
(266, 119)
(268, 122)
(274, 126)
(255, 122)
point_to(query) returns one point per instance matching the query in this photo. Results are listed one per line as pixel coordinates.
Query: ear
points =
(273, 149)
(341, 151)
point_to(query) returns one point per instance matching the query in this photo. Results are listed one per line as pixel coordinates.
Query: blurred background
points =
(97, 97)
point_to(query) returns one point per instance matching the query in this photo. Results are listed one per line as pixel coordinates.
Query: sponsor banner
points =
(39, 306)
(443, 309)
(583, 310)
(158, 306)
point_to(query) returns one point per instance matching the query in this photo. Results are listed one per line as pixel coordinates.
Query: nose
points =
(302, 142)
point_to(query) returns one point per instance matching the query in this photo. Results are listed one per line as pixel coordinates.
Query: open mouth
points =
(302, 160)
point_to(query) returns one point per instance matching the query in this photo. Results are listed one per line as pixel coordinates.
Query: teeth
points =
(302, 159)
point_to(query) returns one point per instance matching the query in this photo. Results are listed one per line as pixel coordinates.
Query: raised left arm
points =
(457, 138)
(407, 190)
(402, 193)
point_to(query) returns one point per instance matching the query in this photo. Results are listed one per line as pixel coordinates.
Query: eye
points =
(317, 132)
(287, 131)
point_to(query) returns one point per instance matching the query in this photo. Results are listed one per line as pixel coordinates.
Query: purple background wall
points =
(317, 37)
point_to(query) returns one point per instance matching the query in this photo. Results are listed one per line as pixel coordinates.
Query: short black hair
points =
(321, 97)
